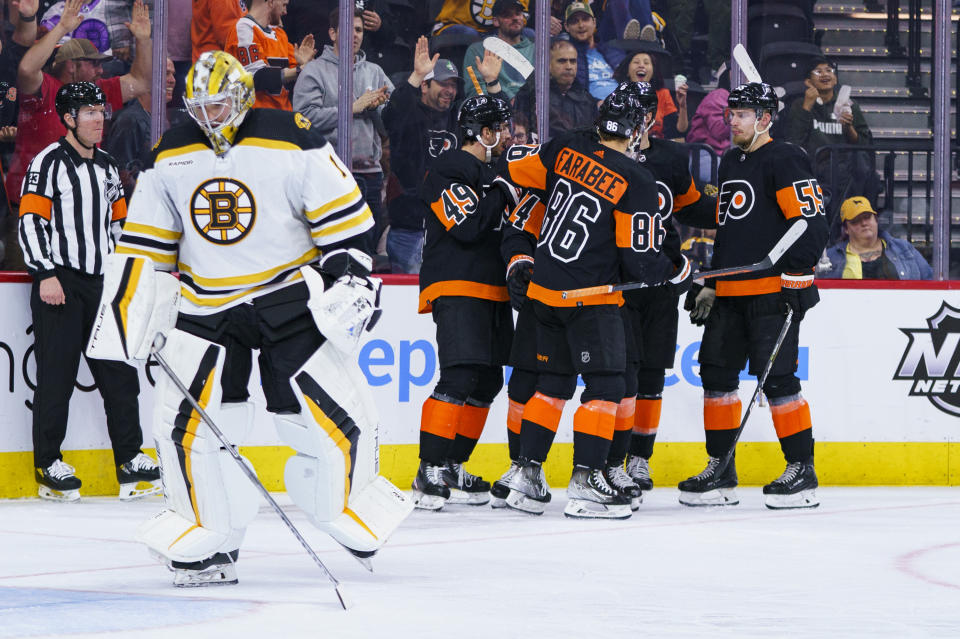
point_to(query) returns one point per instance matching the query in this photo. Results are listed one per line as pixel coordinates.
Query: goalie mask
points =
(219, 94)
(621, 114)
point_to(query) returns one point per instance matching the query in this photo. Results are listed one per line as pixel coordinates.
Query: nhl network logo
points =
(932, 359)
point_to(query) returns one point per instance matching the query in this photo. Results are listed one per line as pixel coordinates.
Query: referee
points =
(71, 210)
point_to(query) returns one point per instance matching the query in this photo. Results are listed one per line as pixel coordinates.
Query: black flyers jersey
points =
(461, 253)
(678, 198)
(601, 216)
(524, 216)
(761, 194)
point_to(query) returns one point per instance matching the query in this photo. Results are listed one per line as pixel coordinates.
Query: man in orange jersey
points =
(211, 23)
(766, 186)
(600, 224)
(262, 48)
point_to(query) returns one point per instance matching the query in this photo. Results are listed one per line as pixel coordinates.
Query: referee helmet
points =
(219, 93)
(72, 96)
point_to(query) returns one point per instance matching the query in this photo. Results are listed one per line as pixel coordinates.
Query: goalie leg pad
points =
(137, 303)
(211, 497)
(334, 476)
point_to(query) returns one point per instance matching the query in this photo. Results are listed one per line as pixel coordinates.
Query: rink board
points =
(878, 366)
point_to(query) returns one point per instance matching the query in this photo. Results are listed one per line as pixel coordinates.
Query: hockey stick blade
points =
(509, 55)
(781, 247)
(158, 344)
(746, 64)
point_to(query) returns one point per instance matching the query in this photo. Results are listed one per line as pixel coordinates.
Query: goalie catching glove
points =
(344, 300)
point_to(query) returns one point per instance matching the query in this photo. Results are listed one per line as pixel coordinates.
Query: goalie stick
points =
(792, 235)
(158, 343)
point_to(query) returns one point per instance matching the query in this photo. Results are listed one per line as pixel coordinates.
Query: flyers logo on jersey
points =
(664, 200)
(223, 210)
(735, 201)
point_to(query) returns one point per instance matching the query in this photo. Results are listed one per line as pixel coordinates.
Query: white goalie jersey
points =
(240, 226)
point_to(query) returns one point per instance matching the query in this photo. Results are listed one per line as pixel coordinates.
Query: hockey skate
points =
(465, 488)
(58, 482)
(139, 477)
(590, 496)
(219, 570)
(501, 488)
(529, 492)
(429, 490)
(622, 482)
(795, 488)
(639, 470)
(709, 489)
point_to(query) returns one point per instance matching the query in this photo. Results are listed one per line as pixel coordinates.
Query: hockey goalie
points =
(264, 224)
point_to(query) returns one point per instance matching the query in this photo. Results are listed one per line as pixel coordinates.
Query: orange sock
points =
(721, 413)
(791, 418)
(647, 416)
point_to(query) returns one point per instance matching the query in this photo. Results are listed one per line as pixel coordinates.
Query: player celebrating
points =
(765, 187)
(262, 221)
(653, 312)
(462, 285)
(600, 223)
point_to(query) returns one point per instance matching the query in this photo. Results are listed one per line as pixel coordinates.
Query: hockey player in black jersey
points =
(765, 186)
(652, 313)
(599, 225)
(462, 284)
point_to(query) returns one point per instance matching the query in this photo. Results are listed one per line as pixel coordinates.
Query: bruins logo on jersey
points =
(482, 12)
(736, 200)
(223, 210)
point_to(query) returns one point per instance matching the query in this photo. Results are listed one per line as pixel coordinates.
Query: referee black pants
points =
(60, 337)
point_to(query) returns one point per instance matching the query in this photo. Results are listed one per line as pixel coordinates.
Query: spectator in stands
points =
(815, 121)
(521, 129)
(869, 252)
(311, 17)
(129, 138)
(180, 51)
(509, 17)
(263, 49)
(212, 22)
(421, 124)
(627, 19)
(595, 62)
(38, 124)
(468, 18)
(708, 126)
(671, 121)
(570, 104)
(316, 96)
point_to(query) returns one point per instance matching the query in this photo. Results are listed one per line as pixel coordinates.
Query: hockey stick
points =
(158, 344)
(788, 320)
(746, 64)
(792, 235)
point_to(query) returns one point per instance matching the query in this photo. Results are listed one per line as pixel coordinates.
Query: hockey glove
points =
(699, 301)
(799, 293)
(344, 301)
(682, 278)
(519, 274)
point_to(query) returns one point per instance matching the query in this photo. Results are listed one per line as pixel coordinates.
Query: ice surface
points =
(869, 562)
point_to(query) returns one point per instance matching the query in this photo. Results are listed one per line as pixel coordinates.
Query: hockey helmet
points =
(72, 96)
(648, 99)
(622, 111)
(754, 95)
(482, 111)
(218, 95)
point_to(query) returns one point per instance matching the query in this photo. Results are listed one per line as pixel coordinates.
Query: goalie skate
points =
(529, 492)
(591, 497)
(58, 482)
(710, 489)
(219, 570)
(139, 477)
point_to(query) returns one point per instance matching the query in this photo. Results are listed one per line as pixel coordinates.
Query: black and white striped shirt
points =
(71, 210)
